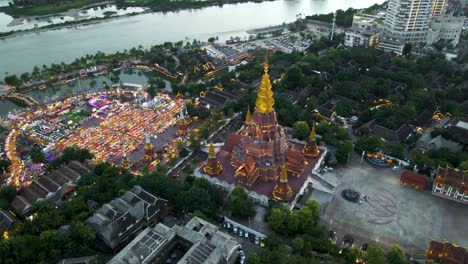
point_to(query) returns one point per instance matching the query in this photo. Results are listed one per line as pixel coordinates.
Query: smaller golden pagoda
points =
(248, 116)
(183, 123)
(282, 191)
(212, 166)
(311, 149)
(149, 149)
(125, 162)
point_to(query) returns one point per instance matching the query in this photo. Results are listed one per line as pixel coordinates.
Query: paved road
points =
(394, 213)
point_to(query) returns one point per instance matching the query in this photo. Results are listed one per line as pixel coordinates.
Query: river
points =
(21, 53)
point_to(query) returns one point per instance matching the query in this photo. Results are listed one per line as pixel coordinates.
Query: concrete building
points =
(322, 29)
(364, 31)
(197, 242)
(445, 27)
(406, 21)
(49, 188)
(122, 217)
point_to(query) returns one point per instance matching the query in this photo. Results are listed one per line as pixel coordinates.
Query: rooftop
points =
(116, 220)
(204, 243)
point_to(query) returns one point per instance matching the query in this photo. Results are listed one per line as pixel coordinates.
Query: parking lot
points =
(393, 213)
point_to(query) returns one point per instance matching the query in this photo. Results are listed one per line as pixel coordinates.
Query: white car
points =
(395, 168)
(235, 229)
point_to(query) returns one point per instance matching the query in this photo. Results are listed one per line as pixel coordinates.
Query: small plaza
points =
(393, 213)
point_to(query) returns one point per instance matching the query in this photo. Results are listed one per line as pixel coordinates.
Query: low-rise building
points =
(49, 188)
(413, 179)
(387, 134)
(446, 253)
(197, 242)
(7, 220)
(445, 27)
(322, 29)
(452, 184)
(117, 220)
(357, 37)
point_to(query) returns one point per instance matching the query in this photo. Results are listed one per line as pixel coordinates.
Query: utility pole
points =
(333, 26)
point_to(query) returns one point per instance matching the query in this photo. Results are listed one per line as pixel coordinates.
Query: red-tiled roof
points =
(231, 141)
(446, 253)
(452, 177)
(413, 178)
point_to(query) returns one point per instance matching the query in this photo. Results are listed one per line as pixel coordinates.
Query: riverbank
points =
(68, 24)
(174, 7)
(48, 10)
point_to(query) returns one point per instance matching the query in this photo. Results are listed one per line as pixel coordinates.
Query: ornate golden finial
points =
(248, 116)
(265, 101)
(211, 151)
(284, 174)
(312, 133)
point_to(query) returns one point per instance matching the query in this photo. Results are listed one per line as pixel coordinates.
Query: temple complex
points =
(260, 157)
(212, 166)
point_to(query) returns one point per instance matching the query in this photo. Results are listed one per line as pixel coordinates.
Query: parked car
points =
(235, 229)
(252, 238)
(241, 232)
(257, 240)
(246, 235)
(228, 226)
(262, 242)
(394, 168)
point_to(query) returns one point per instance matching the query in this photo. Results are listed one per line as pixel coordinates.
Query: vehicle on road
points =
(262, 242)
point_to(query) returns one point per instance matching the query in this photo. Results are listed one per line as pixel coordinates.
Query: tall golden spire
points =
(312, 133)
(211, 151)
(248, 116)
(265, 101)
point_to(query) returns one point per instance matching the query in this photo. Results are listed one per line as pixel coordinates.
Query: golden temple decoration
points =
(265, 101)
(312, 133)
(248, 116)
(284, 174)
(211, 151)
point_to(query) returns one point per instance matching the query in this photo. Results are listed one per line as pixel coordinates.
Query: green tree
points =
(375, 255)
(301, 130)
(464, 165)
(343, 151)
(396, 255)
(407, 50)
(253, 258)
(369, 144)
(298, 245)
(240, 204)
(37, 155)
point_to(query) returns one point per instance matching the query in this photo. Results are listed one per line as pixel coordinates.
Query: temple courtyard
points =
(393, 213)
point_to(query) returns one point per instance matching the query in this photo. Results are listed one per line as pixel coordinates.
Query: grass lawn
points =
(45, 9)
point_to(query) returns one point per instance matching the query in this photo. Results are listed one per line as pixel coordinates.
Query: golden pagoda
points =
(183, 123)
(311, 149)
(149, 149)
(212, 166)
(248, 116)
(265, 101)
(125, 164)
(282, 190)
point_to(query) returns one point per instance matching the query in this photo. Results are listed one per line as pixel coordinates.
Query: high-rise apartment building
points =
(407, 21)
(439, 7)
